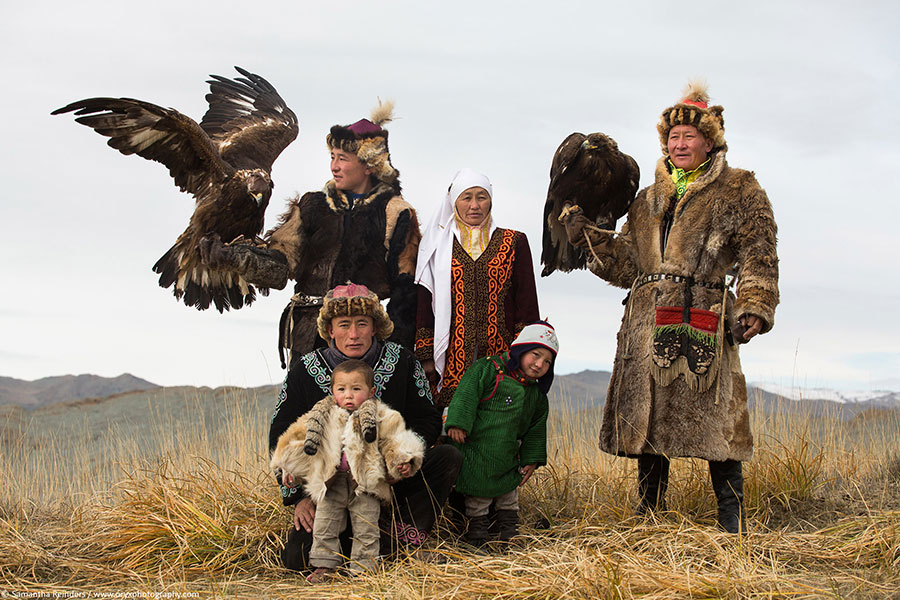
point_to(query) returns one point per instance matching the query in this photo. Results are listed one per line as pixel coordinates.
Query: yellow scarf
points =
(684, 178)
(474, 239)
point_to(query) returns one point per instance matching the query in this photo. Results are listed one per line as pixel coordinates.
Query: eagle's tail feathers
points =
(197, 286)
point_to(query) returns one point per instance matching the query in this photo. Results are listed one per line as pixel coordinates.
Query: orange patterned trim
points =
(478, 291)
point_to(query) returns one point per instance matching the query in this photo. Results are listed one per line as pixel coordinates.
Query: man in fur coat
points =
(359, 228)
(677, 389)
(356, 325)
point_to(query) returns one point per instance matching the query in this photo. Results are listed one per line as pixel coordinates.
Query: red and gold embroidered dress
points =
(493, 298)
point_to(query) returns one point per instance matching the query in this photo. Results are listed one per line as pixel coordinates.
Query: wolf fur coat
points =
(310, 449)
(655, 405)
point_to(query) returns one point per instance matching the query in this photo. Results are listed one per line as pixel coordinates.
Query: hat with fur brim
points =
(353, 300)
(694, 109)
(368, 140)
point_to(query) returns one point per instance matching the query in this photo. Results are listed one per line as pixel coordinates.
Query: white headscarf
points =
(436, 255)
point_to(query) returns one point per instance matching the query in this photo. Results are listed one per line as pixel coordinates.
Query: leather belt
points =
(711, 285)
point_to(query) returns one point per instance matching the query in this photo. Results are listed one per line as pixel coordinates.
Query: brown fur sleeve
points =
(755, 241)
(407, 258)
(616, 263)
(285, 237)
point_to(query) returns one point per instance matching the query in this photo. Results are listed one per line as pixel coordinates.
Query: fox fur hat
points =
(368, 140)
(694, 109)
(353, 300)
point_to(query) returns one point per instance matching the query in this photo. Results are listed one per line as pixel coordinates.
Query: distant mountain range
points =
(583, 390)
(884, 396)
(66, 388)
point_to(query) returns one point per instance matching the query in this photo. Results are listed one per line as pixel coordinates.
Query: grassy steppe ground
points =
(170, 494)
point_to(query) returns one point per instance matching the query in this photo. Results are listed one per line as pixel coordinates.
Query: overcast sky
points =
(811, 95)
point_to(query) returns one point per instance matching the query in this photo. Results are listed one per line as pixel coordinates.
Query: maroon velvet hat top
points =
(365, 127)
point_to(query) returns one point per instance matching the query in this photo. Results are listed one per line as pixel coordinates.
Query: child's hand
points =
(457, 435)
(527, 471)
(405, 469)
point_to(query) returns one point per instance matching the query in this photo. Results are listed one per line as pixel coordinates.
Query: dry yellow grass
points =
(201, 518)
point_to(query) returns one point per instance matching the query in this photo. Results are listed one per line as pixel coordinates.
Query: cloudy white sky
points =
(811, 93)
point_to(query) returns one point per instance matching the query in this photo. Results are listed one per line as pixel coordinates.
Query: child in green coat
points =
(498, 420)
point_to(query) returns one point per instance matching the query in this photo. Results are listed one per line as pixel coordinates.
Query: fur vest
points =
(677, 387)
(328, 241)
(310, 449)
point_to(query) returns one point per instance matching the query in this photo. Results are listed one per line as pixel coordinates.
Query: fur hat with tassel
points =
(368, 140)
(694, 109)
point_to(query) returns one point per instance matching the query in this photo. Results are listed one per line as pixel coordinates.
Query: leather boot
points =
(507, 524)
(728, 484)
(653, 480)
(477, 533)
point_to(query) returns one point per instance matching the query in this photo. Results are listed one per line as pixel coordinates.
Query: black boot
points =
(728, 485)
(477, 534)
(507, 524)
(653, 480)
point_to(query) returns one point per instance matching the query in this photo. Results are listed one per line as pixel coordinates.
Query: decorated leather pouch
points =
(685, 342)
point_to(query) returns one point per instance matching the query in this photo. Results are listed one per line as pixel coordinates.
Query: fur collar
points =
(338, 202)
(663, 188)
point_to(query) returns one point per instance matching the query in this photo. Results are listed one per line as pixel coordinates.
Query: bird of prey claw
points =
(569, 210)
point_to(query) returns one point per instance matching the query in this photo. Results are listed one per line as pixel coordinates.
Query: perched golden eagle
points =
(591, 173)
(224, 162)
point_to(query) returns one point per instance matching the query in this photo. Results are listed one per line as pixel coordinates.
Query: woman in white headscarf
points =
(476, 285)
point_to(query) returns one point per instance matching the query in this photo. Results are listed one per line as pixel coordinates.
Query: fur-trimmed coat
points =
(655, 404)
(371, 463)
(328, 241)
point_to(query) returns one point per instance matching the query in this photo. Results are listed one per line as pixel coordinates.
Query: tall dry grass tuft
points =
(176, 496)
(189, 524)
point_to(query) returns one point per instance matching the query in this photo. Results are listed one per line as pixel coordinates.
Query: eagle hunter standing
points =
(677, 389)
(225, 162)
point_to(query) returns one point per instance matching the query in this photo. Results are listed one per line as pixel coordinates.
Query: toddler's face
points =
(350, 390)
(536, 362)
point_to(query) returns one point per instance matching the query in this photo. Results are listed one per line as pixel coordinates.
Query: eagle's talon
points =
(570, 210)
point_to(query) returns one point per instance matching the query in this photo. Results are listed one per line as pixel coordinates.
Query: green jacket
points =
(504, 432)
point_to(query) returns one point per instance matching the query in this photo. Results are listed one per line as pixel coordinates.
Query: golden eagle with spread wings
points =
(225, 162)
(591, 173)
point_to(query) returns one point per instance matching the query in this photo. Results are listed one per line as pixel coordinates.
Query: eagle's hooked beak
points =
(587, 145)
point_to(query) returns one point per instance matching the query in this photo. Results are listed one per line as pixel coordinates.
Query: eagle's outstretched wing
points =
(248, 121)
(160, 134)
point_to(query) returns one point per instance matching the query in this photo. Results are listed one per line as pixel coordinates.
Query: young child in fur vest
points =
(346, 450)
(498, 420)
